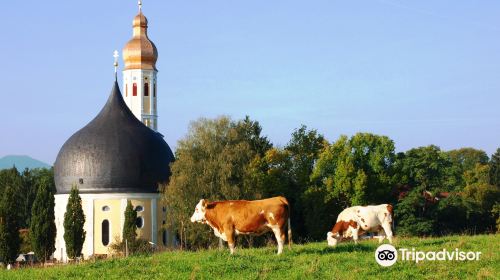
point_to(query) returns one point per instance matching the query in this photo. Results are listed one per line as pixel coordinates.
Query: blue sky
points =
(420, 72)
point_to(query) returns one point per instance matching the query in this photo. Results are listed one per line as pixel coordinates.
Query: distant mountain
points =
(21, 162)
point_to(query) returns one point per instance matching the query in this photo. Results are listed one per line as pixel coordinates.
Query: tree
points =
(357, 170)
(43, 227)
(422, 169)
(129, 226)
(12, 179)
(463, 160)
(74, 219)
(286, 172)
(212, 162)
(495, 213)
(9, 226)
(467, 216)
(304, 149)
(26, 184)
(130, 244)
(350, 171)
(413, 215)
(495, 168)
(462, 175)
(467, 158)
(250, 131)
(425, 167)
(271, 174)
(29, 189)
(484, 196)
(320, 212)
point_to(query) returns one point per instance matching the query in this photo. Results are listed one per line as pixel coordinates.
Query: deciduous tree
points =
(464, 160)
(357, 170)
(212, 162)
(304, 149)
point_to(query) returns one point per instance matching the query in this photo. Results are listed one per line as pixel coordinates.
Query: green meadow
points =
(308, 261)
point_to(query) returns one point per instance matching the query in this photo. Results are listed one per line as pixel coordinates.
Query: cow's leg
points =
(381, 236)
(355, 236)
(230, 239)
(282, 240)
(280, 237)
(388, 231)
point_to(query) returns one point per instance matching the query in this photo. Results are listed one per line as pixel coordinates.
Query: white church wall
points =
(92, 203)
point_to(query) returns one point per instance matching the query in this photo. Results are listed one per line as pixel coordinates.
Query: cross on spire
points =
(115, 55)
(140, 5)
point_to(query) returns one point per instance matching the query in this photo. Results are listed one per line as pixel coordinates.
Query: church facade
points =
(118, 157)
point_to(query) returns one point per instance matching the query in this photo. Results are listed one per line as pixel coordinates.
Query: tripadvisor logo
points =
(387, 255)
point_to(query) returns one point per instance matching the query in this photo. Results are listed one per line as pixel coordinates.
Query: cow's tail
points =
(289, 225)
(391, 215)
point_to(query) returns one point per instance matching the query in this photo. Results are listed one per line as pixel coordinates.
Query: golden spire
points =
(140, 52)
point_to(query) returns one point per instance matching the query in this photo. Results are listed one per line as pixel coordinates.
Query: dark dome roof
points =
(114, 153)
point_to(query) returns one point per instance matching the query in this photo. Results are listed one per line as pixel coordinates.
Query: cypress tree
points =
(129, 225)
(74, 219)
(43, 227)
(9, 226)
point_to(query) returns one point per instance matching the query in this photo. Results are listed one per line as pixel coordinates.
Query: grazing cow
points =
(233, 217)
(356, 220)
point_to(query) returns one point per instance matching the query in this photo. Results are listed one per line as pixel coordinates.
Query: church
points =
(118, 157)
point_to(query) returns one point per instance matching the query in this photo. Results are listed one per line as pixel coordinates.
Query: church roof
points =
(114, 153)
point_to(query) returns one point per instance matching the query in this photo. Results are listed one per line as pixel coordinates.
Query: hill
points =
(21, 162)
(309, 261)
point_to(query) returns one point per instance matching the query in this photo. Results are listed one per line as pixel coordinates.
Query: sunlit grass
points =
(309, 261)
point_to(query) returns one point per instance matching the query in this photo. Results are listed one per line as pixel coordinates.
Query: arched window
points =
(164, 233)
(105, 208)
(134, 89)
(164, 237)
(105, 232)
(146, 89)
(154, 89)
(126, 90)
(139, 222)
(139, 208)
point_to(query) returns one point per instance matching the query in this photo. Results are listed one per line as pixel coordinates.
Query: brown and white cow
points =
(233, 217)
(357, 220)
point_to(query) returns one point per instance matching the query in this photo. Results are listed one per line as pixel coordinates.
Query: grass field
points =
(309, 261)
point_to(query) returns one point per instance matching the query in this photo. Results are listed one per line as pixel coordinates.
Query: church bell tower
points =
(139, 74)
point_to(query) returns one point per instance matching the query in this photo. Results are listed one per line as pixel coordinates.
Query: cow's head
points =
(199, 212)
(332, 238)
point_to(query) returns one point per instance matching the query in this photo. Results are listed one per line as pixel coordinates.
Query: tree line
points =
(434, 192)
(26, 202)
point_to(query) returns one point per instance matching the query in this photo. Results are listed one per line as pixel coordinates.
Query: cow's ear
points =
(204, 203)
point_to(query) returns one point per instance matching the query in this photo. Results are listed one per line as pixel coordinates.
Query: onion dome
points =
(140, 52)
(114, 153)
